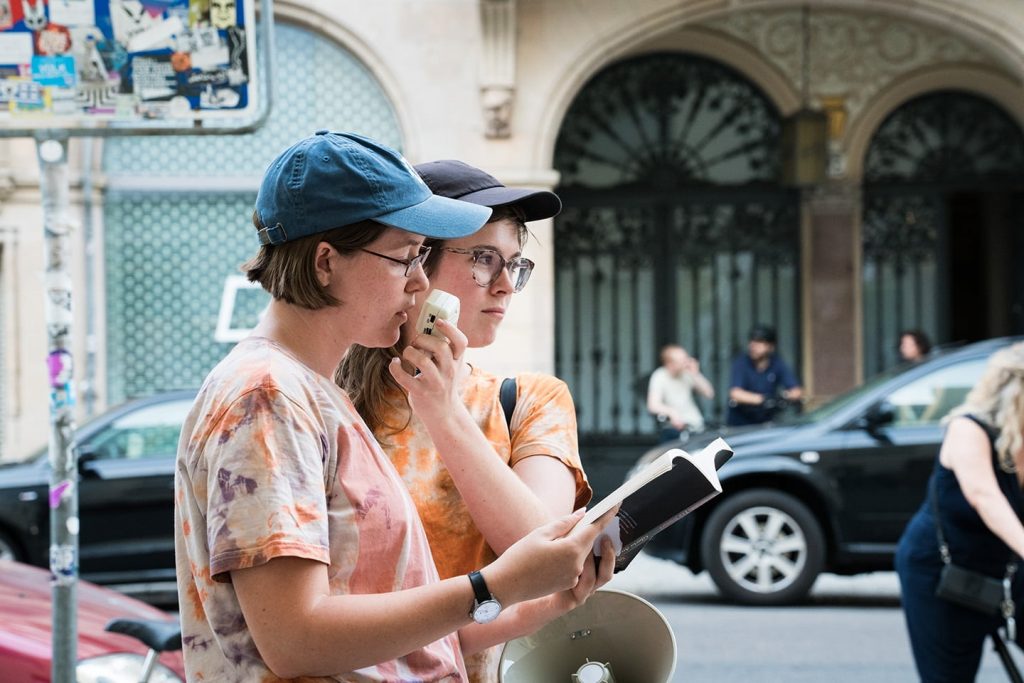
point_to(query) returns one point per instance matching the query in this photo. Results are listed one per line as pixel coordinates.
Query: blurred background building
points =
(841, 169)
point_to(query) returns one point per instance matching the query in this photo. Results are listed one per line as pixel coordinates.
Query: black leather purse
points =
(971, 589)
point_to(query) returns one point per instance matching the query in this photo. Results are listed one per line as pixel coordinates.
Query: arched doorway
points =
(675, 229)
(942, 226)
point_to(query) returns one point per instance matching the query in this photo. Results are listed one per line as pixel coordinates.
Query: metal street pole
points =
(63, 499)
(51, 148)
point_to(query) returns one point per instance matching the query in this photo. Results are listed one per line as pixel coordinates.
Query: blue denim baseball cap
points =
(330, 180)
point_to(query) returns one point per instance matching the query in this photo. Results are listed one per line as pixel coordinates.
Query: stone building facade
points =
(671, 129)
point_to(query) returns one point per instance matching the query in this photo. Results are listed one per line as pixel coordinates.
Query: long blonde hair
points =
(998, 400)
(363, 372)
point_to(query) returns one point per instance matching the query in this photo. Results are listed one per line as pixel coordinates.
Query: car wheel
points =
(9, 549)
(763, 547)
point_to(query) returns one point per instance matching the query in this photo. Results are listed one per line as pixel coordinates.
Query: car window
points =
(837, 404)
(928, 399)
(149, 432)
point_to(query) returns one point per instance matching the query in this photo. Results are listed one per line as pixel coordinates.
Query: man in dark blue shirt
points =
(759, 378)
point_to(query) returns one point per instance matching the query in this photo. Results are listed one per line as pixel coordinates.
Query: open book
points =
(658, 495)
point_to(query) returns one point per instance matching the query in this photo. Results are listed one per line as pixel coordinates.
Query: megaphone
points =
(614, 637)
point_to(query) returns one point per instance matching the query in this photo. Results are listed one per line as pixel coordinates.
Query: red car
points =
(25, 621)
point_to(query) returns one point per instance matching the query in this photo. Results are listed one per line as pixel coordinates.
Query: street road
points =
(851, 630)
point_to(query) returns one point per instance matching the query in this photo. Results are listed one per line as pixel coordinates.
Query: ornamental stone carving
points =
(852, 56)
(498, 66)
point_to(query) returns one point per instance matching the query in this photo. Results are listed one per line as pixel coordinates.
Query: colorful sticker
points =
(56, 71)
(61, 368)
(53, 40)
(16, 48)
(60, 492)
(29, 97)
(6, 16)
(34, 14)
(153, 77)
(62, 398)
(63, 564)
(223, 13)
(73, 12)
(128, 58)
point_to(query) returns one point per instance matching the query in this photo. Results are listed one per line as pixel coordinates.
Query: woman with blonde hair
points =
(971, 519)
(490, 479)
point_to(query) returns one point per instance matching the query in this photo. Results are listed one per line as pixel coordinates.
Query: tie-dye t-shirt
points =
(274, 461)
(543, 424)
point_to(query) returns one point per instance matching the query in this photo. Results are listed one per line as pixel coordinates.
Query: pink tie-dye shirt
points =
(543, 424)
(274, 461)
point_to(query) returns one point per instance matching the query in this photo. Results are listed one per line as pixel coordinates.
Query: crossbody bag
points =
(971, 589)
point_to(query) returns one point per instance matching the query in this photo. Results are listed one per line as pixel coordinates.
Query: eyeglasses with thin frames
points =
(410, 263)
(488, 264)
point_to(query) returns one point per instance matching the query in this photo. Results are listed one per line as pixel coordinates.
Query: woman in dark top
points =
(976, 488)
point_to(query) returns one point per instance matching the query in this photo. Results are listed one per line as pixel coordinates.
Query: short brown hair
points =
(288, 271)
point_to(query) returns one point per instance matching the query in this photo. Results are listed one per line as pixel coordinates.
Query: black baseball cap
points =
(458, 180)
(763, 333)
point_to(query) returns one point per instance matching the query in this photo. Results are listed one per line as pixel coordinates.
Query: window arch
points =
(946, 137)
(668, 118)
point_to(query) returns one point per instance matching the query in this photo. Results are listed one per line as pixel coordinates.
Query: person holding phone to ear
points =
(299, 551)
(480, 483)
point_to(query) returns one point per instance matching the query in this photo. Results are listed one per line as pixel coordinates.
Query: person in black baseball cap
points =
(299, 552)
(493, 475)
(761, 382)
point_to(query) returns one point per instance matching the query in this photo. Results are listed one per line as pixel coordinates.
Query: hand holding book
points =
(659, 495)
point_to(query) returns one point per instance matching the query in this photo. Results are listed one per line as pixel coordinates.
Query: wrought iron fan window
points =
(667, 119)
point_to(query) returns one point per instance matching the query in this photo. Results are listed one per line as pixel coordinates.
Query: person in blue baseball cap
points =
(299, 551)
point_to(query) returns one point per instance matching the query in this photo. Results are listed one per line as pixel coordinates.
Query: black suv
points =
(125, 497)
(829, 490)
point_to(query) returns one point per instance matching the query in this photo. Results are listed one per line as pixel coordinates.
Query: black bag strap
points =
(507, 396)
(947, 557)
(943, 546)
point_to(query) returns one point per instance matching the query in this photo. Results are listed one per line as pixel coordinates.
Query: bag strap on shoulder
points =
(507, 396)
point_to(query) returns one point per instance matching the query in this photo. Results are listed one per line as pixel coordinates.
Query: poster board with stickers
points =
(81, 63)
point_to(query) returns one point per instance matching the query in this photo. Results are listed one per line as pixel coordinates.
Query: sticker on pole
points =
(64, 63)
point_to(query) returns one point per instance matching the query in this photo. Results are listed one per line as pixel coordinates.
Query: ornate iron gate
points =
(675, 230)
(929, 151)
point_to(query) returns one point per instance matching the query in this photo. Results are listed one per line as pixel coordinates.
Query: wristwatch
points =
(485, 607)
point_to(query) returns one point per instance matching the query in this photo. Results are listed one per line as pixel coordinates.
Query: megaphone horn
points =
(614, 637)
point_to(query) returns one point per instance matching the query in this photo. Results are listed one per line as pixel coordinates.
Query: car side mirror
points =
(876, 417)
(86, 457)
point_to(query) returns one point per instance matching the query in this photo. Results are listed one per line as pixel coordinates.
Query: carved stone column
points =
(832, 311)
(498, 66)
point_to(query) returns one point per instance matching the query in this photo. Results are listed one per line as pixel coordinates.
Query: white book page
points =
(704, 461)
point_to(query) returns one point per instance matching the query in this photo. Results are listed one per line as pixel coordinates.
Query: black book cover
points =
(659, 495)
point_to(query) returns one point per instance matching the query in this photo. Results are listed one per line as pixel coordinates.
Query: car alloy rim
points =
(763, 549)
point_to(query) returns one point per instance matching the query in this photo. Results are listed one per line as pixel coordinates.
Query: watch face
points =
(486, 611)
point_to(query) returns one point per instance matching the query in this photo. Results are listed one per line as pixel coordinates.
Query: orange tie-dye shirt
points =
(543, 424)
(274, 461)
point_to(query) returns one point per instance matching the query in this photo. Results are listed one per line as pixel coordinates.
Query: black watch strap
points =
(480, 590)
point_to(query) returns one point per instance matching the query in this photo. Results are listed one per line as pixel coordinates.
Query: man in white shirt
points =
(670, 393)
